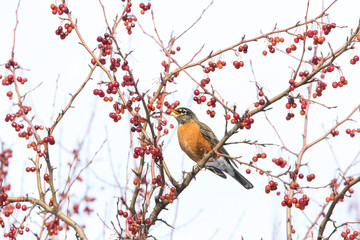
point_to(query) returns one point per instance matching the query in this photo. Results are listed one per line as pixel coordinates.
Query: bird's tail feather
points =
(242, 180)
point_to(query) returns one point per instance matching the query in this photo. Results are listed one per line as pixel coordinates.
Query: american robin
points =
(196, 139)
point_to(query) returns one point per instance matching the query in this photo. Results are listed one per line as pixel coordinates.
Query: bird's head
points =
(184, 115)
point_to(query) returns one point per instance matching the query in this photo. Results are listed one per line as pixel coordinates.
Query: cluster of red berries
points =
(313, 34)
(129, 21)
(315, 59)
(327, 28)
(123, 214)
(304, 74)
(8, 209)
(341, 83)
(211, 113)
(280, 162)
(347, 235)
(118, 110)
(142, 180)
(316, 39)
(11, 118)
(271, 49)
(155, 152)
(310, 177)
(200, 97)
(238, 64)
(261, 101)
(114, 64)
(30, 169)
(291, 104)
(289, 116)
(134, 225)
(165, 65)
(3, 197)
(325, 70)
(321, 86)
(128, 80)
(18, 206)
(160, 125)
(15, 125)
(144, 7)
(9, 94)
(334, 132)
(129, 102)
(59, 9)
(354, 60)
(348, 180)
(203, 83)
(159, 102)
(273, 42)
(291, 48)
(136, 123)
(112, 88)
(146, 150)
(53, 227)
(352, 132)
(13, 230)
(169, 196)
(33, 145)
(5, 155)
(248, 121)
(68, 27)
(258, 156)
(11, 63)
(212, 66)
(243, 48)
(105, 45)
(21, 80)
(99, 92)
(50, 140)
(276, 40)
(171, 106)
(272, 186)
(8, 80)
(294, 185)
(25, 134)
(330, 198)
(300, 203)
(293, 85)
(170, 52)
(157, 181)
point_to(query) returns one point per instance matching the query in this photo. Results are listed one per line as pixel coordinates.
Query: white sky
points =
(211, 208)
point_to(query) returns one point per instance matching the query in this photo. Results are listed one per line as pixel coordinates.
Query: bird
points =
(197, 139)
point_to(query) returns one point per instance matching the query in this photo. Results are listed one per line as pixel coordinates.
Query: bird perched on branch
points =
(196, 139)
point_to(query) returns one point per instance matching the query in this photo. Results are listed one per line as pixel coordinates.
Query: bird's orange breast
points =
(192, 142)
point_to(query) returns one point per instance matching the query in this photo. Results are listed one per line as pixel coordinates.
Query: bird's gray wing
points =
(210, 136)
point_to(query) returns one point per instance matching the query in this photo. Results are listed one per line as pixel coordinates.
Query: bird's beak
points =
(174, 113)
